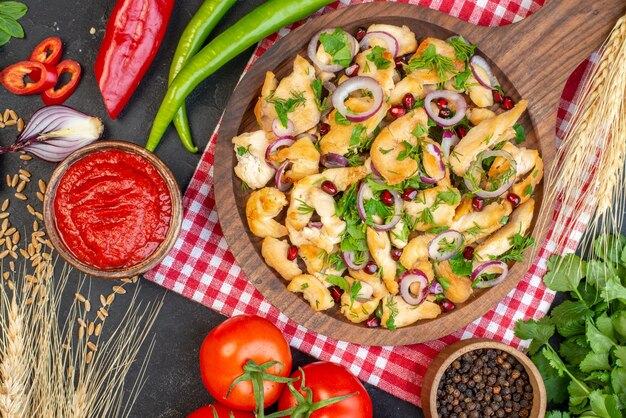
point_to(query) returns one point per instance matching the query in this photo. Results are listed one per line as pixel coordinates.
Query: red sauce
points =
(112, 209)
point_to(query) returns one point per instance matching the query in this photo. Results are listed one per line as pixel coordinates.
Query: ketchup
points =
(112, 209)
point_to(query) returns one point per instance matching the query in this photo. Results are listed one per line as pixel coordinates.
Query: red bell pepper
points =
(54, 95)
(133, 36)
(28, 77)
(48, 51)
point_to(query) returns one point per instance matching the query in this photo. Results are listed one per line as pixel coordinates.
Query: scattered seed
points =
(42, 186)
(20, 187)
(5, 204)
(12, 114)
(14, 180)
(31, 209)
(10, 122)
(89, 357)
(20, 128)
(16, 237)
(98, 330)
(40, 196)
(4, 215)
(12, 266)
(13, 254)
(119, 289)
(21, 196)
(8, 180)
(10, 231)
(40, 217)
(4, 254)
(24, 178)
(25, 172)
(7, 114)
(24, 253)
(92, 346)
(80, 298)
(2, 125)
(35, 226)
(5, 225)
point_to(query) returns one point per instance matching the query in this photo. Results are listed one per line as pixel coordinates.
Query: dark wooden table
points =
(174, 387)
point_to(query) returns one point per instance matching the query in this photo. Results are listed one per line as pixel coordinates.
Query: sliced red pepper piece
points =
(54, 95)
(28, 77)
(48, 51)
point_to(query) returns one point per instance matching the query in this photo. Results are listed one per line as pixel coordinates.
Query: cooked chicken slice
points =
(383, 75)
(525, 160)
(261, 209)
(313, 258)
(360, 310)
(411, 85)
(426, 267)
(304, 156)
(476, 115)
(344, 177)
(337, 140)
(406, 39)
(460, 288)
(484, 136)
(416, 250)
(397, 313)
(479, 94)
(313, 290)
(389, 143)
(380, 248)
(296, 85)
(464, 208)
(525, 188)
(428, 209)
(431, 161)
(477, 225)
(379, 288)
(428, 76)
(251, 166)
(500, 242)
(274, 252)
(398, 236)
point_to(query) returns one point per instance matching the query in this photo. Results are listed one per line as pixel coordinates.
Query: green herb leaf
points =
(598, 342)
(539, 331)
(460, 266)
(463, 50)
(430, 60)
(609, 247)
(574, 349)
(243, 150)
(556, 386)
(614, 290)
(284, 107)
(341, 119)
(604, 406)
(338, 46)
(450, 197)
(376, 56)
(391, 305)
(304, 208)
(595, 361)
(520, 133)
(460, 80)
(13, 9)
(557, 414)
(358, 136)
(338, 281)
(564, 273)
(10, 26)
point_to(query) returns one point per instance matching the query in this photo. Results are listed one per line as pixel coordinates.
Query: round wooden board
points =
(540, 82)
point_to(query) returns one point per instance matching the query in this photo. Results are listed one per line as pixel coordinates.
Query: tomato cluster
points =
(246, 364)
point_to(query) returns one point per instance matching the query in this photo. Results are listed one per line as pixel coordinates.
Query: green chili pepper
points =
(256, 25)
(192, 39)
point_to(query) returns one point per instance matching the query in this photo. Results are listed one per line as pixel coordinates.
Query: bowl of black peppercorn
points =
(479, 378)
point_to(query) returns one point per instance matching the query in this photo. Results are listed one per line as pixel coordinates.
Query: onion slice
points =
(476, 168)
(435, 288)
(449, 140)
(274, 146)
(349, 260)
(389, 39)
(282, 131)
(435, 152)
(445, 245)
(452, 97)
(329, 68)
(479, 61)
(360, 205)
(486, 269)
(350, 86)
(281, 184)
(407, 279)
(332, 160)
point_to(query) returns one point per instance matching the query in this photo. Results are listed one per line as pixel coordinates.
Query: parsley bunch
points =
(588, 367)
(10, 13)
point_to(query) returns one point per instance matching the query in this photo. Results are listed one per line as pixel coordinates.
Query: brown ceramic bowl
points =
(452, 352)
(175, 221)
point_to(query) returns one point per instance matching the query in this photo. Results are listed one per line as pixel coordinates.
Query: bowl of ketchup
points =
(113, 209)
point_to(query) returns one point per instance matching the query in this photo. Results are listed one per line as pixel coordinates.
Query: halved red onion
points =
(286, 141)
(329, 68)
(365, 293)
(435, 152)
(280, 130)
(281, 184)
(475, 170)
(449, 140)
(449, 237)
(435, 288)
(389, 39)
(407, 279)
(313, 138)
(349, 260)
(397, 202)
(460, 107)
(332, 160)
(351, 85)
(486, 269)
(477, 60)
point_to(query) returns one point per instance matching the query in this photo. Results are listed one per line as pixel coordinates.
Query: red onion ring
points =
(352, 70)
(312, 51)
(397, 202)
(407, 279)
(475, 277)
(477, 60)
(313, 138)
(435, 152)
(365, 293)
(389, 39)
(450, 96)
(282, 185)
(281, 131)
(332, 160)
(348, 259)
(449, 140)
(375, 171)
(351, 85)
(274, 146)
(475, 168)
(450, 236)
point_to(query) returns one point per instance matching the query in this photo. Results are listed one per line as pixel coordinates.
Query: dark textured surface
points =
(174, 387)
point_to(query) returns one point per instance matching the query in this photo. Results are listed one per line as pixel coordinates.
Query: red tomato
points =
(328, 380)
(229, 346)
(220, 411)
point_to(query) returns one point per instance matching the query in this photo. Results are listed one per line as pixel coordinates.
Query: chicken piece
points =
(344, 177)
(484, 136)
(251, 166)
(297, 86)
(464, 208)
(397, 313)
(525, 188)
(313, 290)
(399, 234)
(380, 248)
(261, 209)
(460, 288)
(500, 242)
(479, 94)
(304, 156)
(356, 310)
(384, 75)
(313, 258)
(390, 143)
(337, 140)
(406, 39)
(379, 288)
(428, 76)
(428, 209)
(426, 267)
(525, 160)
(432, 163)
(416, 250)
(476, 115)
(274, 252)
(477, 225)
(411, 85)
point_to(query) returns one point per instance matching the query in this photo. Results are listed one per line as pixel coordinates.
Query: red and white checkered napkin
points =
(202, 268)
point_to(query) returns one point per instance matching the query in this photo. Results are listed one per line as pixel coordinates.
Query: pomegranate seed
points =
(386, 197)
(324, 128)
(442, 103)
(396, 253)
(373, 322)
(329, 187)
(336, 292)
(292, 254)
(461, 131)
(352, 70)
(370, 267)
(401, 61)
(468, 253)
(397, 111)
(408, 101)
(514, 199)
(508, 103)
(360, 33)
(409, 194)
(497, 96)
(478, 204)
(447, 306)
(445, 113)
